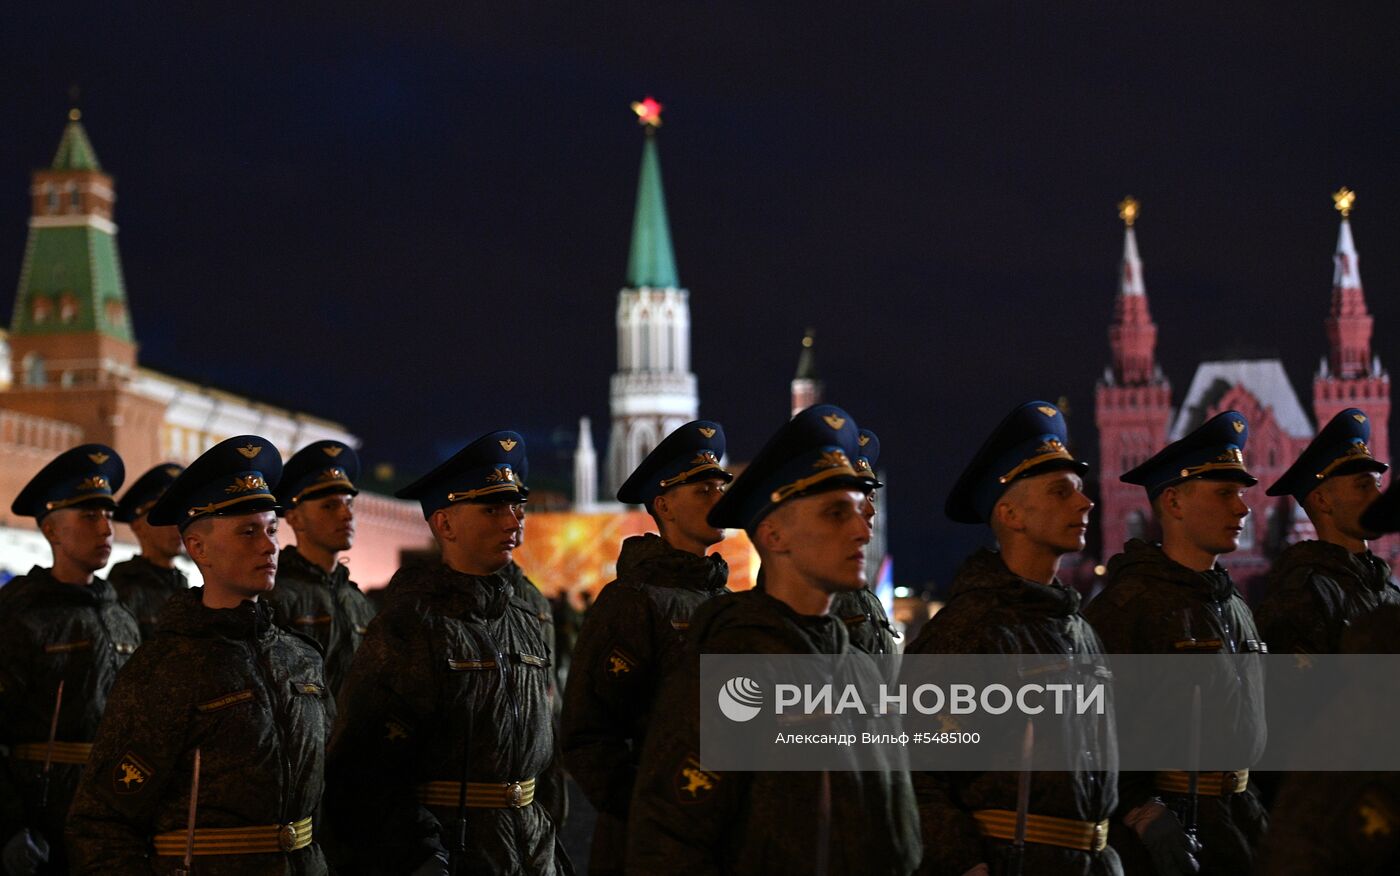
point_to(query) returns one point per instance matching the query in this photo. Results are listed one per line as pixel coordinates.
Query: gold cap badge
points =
(1047, 410)
(173, 471)
(864, 440)
(507, 444)
(1360, 418)
(332, 451)
(1239, 427)
(834, 421)
(707, 431)
(98, 458)
(250, 450)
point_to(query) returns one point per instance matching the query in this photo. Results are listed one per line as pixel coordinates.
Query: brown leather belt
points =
(257, 840)
(1045, 830)
(1216, 784)
(480, 795)
(63, 752)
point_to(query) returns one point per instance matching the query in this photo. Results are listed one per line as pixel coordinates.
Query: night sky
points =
(416, 222)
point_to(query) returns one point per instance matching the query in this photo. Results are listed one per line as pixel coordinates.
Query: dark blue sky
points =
(415, 221)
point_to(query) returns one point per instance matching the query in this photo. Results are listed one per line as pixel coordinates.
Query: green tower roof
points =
(651, 261)
(75, 151)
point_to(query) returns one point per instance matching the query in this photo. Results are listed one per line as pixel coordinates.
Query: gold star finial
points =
(1342, 200)
(648, 112)
(1128, 210)
(74, 114)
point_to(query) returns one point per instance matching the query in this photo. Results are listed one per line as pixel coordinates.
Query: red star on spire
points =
(648, 112)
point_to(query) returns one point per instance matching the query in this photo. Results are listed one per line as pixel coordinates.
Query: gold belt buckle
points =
(287, 837)
(1100, 835)
(515, 795)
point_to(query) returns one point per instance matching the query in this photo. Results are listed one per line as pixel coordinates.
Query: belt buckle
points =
(1100, 836)
(1229, 782)
(287, 837)
(515, 795)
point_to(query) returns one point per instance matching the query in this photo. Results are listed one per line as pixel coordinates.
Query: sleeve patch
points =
(693, 783)
(131, 774)
(226, 700)
(619, 663)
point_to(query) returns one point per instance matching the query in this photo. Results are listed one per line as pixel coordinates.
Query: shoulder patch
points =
(693, 783)
(1374, 824)
(131, 774)
(620, 662)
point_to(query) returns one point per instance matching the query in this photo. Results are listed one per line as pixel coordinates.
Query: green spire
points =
(651, 261)
(74, 150)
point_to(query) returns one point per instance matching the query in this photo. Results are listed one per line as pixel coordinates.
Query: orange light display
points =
(565, 551)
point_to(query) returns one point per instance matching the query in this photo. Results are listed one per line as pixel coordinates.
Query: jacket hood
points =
(764, 618)
(651, 559)
(985, 574)
(185, 614)
(1141, 560)
(454, 593)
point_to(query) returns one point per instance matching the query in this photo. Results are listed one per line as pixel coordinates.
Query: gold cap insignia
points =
(246, 484)
(333, 474)
(507, 444)
(864, 440)
(96, 482)
(1360, 418)
(173, 471)
(832, 459)
(250, 450)
(863, 464)
(98, 458)
(1239, 427)
(501, 475)
(834, 421)
(707, 431)
(332, 451)
(1047, 410)
(706, 456)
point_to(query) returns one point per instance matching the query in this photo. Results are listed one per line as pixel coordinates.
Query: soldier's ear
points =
(441, 525)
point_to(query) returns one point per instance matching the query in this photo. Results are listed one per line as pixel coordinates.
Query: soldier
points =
(1318, 587)
(1176, 598)
(445, 733)
(861, 610)
(634, 635)
(1026, 486)
(220, 679)
(144, 582)
(60, 627)
(314, 594)
(800, 503)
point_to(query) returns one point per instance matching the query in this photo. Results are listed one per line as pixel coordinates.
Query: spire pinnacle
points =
(651, 262)
(1128, 210)
(75, 151)
(1342, 201)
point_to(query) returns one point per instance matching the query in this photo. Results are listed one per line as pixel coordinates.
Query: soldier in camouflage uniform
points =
(61, 625)
(861, 610)
(441, 755)
(800, 502)
(635, 634)
(144, 582)
(1025, 485)
(314, 594)
(1318, 587)
(220, 679)
(1176, 598)
(1326, 823)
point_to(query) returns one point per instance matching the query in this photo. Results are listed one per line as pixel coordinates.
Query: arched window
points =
(51, 194)
(75, 200)
(67, 307)
(40, 309)
(34, 374)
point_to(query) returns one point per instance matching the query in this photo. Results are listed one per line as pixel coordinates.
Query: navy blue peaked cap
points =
(1342, 447)
(1213, 452)
(234, 477)
(1031, 440)
(85, 475)
(491, 469)
(321, 468)
(141, 496)
(811, 453)
(867, 456)
(691, 453)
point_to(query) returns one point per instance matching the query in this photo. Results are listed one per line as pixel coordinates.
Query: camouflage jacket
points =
(632, 637)
(143, 587)
(328, 607)
(1316, 590)
(251, 697)
(451, 683)
(991, 610)
(53, 632)
(1153, 605)
(686, 819)
(865, 619)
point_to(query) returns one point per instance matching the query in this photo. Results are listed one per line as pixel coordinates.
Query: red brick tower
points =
(1350, 376)
(1132, 403)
